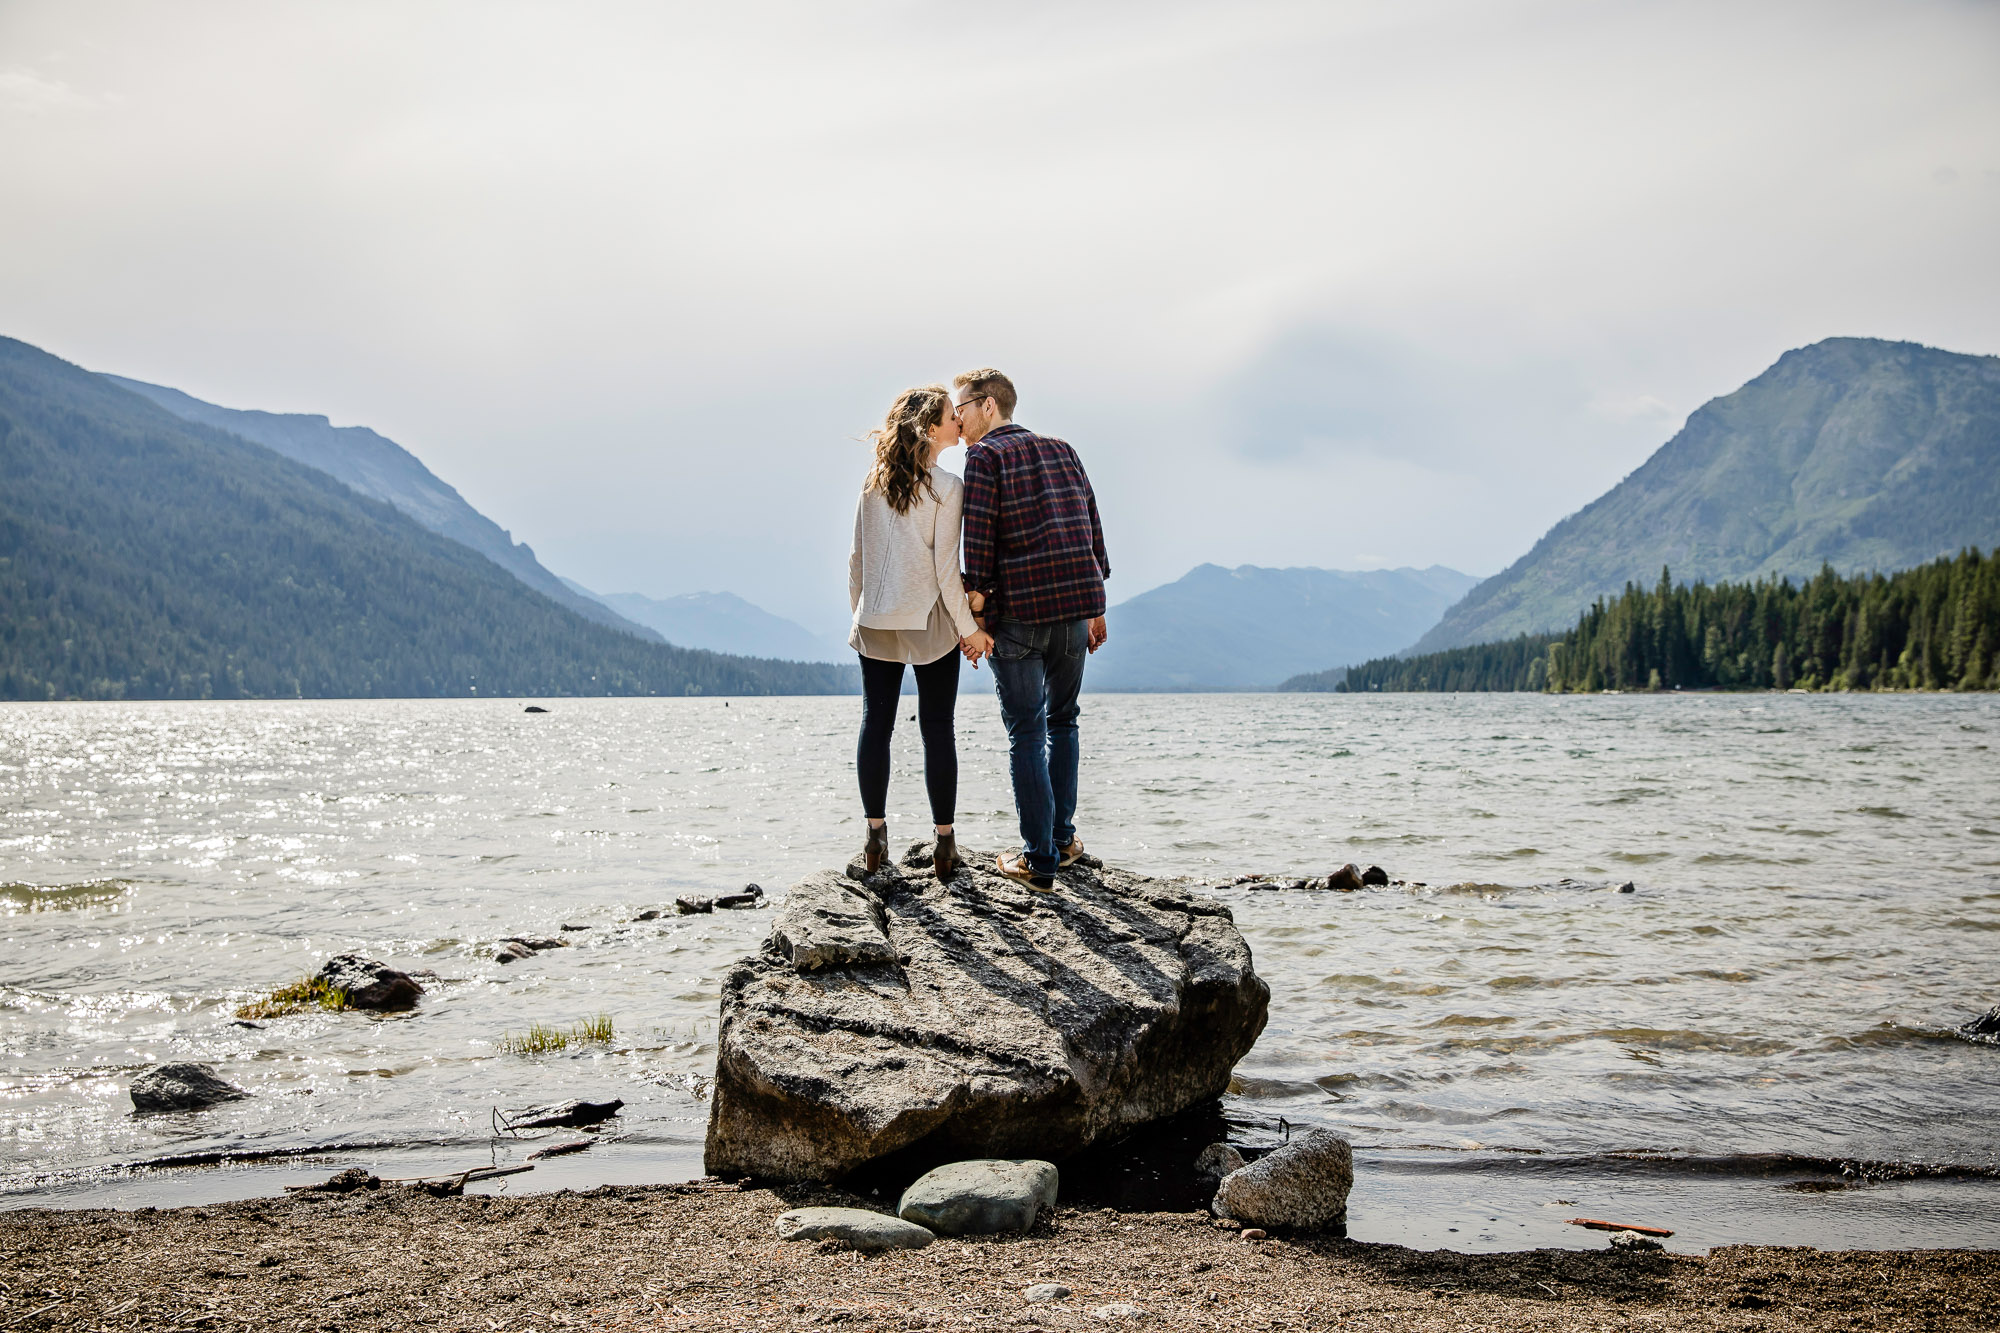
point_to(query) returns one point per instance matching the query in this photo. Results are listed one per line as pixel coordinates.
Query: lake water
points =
(1816, 904)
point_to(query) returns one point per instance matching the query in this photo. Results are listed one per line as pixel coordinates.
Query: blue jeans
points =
(1037, 670)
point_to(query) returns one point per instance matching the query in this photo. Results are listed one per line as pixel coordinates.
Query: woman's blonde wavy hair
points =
(900, 445)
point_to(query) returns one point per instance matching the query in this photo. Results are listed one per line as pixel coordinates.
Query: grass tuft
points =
(540, 1038)
(305, 993)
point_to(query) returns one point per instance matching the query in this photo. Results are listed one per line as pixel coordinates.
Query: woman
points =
(909, 607)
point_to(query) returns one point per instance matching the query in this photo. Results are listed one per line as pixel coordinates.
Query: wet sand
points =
(698, 1257)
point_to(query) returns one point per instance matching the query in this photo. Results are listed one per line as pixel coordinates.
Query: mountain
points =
(721, 622)
(382, 469)
(1250, 628)
(1853, 452)
(146, 556)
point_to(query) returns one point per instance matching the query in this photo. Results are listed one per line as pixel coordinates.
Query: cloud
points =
(26, 91)
(1412, 278)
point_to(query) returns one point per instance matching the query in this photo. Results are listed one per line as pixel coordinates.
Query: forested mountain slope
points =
(1854, 452)
(1935, 627)
(145, 556)
(380, 468)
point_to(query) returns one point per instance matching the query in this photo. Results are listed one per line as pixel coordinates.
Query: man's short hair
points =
(989, 383)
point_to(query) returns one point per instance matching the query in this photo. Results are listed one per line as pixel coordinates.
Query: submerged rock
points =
(1347, 879)
(1375, 877)
(857, 1226)
(369, 983)
(980, 1197)
(516, 947)
(974, 1017)
(182, 1085)
(1216, 1161)
(565, 1115)
(1303, 1184)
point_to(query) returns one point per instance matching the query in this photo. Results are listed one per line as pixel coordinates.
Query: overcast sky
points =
(1345, 285)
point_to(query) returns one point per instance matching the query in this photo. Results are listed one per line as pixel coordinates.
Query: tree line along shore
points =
(1934, 627)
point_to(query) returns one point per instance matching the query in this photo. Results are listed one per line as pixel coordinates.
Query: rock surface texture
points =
(182, 1086)
(1303, 1184)
(974, 1018)
(980, 1197)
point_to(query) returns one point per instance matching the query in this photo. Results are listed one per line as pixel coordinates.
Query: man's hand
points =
(1098, 634)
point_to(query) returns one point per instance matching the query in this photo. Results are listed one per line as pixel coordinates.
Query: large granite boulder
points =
(973, 1019)
(1302, 1184)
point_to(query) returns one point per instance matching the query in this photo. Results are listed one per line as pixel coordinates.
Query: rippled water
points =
(1817, 902)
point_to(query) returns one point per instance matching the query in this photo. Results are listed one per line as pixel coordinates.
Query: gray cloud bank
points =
(1315, 284)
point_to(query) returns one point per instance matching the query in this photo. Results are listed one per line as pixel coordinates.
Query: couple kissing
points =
(1029, 601)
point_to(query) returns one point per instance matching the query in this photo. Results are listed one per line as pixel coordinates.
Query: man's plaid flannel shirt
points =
(1033, 543)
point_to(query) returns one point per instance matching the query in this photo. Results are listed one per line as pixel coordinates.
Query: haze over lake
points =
(1817, 900)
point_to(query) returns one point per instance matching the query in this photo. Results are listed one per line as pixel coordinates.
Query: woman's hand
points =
(976, 645)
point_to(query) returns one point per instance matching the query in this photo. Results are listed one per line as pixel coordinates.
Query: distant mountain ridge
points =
(1855, 452)
(721, 622)
(378, 467)
(1252, 627)
(145, 556)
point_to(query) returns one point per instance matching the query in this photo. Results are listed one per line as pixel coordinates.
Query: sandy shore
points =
(681, 1257)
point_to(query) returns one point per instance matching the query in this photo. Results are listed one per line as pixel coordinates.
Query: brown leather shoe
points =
(1015, 867)
(1072, 854)
(944, 857)
(877, 849)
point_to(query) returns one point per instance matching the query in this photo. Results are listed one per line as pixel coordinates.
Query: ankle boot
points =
(877, 849)
(944, 857)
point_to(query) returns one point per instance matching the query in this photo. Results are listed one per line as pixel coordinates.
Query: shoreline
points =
(700, 1255)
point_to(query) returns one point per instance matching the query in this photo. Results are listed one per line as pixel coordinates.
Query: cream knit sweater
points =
(903, 564)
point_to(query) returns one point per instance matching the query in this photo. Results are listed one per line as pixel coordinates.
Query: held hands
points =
(976, 645)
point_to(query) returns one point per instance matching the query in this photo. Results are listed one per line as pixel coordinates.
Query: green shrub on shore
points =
(305, 993)
(540, 1038)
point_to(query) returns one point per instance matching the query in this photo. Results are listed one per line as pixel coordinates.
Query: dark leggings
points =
(937, 696)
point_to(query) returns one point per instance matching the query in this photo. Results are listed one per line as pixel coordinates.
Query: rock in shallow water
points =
(1303, 1184)
(1216, 1161)
(1986, 1025)
(182, 1085)
(370, 983)
(857, 1226)
(974, 1018)
(980, 1197)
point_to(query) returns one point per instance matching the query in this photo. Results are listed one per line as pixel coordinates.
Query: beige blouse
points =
(902, 576)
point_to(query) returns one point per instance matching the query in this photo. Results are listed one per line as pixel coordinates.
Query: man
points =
(1034, 571)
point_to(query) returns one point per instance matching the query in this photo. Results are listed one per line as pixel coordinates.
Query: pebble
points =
(1044, 1291)
(1117, 1310)
(1254, 1233)
(1632, 1240)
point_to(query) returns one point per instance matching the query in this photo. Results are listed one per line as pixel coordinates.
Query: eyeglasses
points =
(971, 401)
